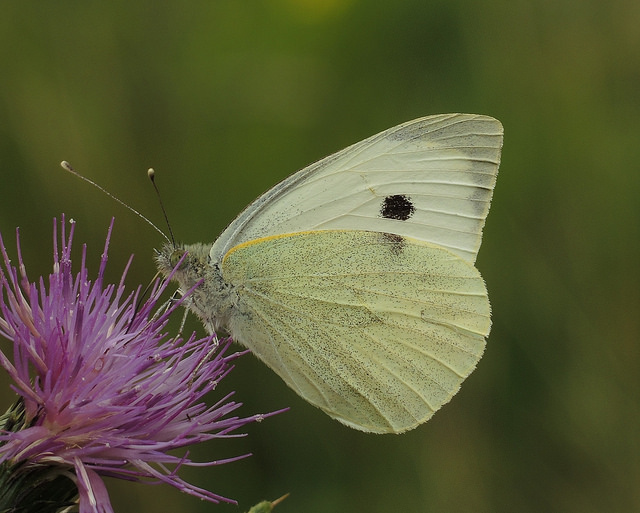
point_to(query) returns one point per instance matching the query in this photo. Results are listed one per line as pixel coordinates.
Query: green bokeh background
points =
(225, 98)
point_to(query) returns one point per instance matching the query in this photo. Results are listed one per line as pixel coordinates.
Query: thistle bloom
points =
(102, 389)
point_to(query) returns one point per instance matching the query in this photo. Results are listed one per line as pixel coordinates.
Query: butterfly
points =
(354, 278)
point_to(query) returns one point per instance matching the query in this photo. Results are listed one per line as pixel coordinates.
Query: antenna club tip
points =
(151, 172)
(65, 165)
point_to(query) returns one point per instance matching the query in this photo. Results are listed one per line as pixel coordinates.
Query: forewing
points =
(375, 329)
(430, 179)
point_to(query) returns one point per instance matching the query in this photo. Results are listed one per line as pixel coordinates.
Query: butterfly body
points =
(353, 279)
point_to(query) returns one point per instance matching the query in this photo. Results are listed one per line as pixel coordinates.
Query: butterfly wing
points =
(353, 279)
(430, 179)
(376, 329)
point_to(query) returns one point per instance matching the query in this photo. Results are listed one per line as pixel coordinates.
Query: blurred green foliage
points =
(225, 98)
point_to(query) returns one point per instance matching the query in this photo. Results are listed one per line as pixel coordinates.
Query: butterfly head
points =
(188, 263)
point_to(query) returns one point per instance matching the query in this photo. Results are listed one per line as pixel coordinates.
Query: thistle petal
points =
(105, 390)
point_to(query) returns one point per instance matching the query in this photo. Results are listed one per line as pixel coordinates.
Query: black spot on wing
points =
(394, 242)
(397, 207)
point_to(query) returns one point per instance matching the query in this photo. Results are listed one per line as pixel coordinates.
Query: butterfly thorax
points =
(214, 299)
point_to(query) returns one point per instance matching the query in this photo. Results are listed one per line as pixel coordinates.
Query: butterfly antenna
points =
(67, 167)
(152, 176)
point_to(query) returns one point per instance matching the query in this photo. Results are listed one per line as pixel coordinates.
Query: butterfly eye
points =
(174, 260)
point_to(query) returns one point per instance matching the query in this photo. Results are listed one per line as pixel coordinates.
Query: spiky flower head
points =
(102, 389)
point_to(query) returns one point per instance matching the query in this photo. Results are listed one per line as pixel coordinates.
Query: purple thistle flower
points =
(103, 390)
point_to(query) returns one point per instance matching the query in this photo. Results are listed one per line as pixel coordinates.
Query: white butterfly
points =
(353, 279)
